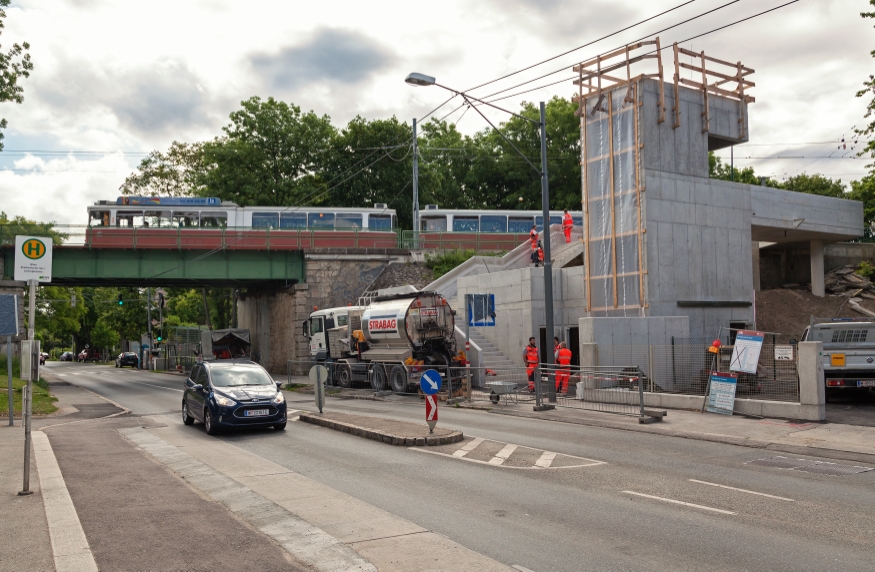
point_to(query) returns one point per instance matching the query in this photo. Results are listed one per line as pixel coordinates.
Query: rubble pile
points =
(846, 280)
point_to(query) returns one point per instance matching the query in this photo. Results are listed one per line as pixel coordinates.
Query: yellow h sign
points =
(33, 249)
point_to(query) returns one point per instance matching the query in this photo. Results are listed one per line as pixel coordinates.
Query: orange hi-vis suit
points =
(531, 356)
(533, 237)
(567, 224)
(563, 374)
(540, 255)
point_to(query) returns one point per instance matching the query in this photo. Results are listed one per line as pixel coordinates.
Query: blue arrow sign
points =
(430, 382)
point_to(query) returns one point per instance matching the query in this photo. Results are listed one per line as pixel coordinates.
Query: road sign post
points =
(318, 376)
(430, 383)
(431, 411)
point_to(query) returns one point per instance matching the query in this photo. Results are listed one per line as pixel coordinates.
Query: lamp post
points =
(422, 80)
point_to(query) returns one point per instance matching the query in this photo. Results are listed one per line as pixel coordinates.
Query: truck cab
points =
(848, 352)
(316, 327)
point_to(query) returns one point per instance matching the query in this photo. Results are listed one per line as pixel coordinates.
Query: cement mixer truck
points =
(387, 342)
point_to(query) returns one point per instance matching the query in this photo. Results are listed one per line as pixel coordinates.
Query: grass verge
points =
(43, 401)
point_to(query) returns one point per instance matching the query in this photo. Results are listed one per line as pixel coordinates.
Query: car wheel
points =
(344, 376)
(378, 378)
(208, 422)
(186, 418)
(398, 379)
(280, 426)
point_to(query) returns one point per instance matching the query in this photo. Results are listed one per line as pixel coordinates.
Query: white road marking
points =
(720, 510)
(468, 447)
(546, 459)
(503, 455)
(158, 386)
(740, 490)
(521, 568)
(70, 548)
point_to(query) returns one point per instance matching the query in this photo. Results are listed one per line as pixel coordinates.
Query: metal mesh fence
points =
(685, 368)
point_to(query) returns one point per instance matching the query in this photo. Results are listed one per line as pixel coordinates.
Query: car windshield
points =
(235, 376)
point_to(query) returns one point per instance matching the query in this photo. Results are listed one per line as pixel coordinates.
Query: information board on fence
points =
(784, 353)
(746, 351)
(721, 397)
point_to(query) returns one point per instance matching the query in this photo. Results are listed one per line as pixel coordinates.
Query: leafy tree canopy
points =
(14, 64)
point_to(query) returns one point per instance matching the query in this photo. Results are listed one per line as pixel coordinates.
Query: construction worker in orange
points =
(567, 224)
(530, 357)
(563, 374)
(533, 237)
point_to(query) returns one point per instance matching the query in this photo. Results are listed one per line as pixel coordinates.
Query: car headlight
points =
(222, 400)
(280, 398)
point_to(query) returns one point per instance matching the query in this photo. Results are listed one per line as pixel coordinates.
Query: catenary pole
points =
(548, 266)
(415, 188)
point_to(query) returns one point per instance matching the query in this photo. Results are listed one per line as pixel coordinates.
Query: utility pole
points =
(28, 389)
(415, 188)
(149, 325)
(548, 265)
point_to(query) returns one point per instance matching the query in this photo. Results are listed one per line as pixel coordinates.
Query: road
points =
(652, 502)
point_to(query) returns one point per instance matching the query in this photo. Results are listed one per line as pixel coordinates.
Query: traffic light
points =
(159, 337)
(120, 301)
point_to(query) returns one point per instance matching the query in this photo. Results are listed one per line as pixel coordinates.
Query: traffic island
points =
(384, 430)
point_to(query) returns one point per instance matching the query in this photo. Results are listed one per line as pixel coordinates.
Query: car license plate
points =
(838, 360)
(255, 412)
(866, 383)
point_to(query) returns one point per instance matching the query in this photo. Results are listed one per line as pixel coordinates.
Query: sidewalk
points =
(830, 440)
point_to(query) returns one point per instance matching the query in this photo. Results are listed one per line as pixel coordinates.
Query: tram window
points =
(539, 221)
(129, 219)
(438, 223)
(157, 219)
(99, 218)
(519, 224)
(348, 221)
(379, 222)
(577, 220)
(265, 220)
(493, 223)
(320, 220)
(183, 219)
(293, 220)
(214, 220)
(466, 224)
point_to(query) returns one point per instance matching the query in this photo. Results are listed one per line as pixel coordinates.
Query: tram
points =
(213, 213)
(433, 218)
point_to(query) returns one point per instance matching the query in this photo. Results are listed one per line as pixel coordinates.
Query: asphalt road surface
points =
(652, 502)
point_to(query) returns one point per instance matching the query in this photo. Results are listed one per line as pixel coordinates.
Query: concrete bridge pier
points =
(274, 317)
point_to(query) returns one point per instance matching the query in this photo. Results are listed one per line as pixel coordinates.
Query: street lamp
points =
(422, 80)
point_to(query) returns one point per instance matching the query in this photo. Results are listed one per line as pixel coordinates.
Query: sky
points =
(114, 79)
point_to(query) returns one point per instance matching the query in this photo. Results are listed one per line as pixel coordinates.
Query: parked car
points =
(66, 356)
(127, 358)
(232, 394)
(88, 354)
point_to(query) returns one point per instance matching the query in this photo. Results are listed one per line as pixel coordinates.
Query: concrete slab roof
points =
(787, 216)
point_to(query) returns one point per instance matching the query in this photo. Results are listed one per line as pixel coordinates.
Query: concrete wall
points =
(519, 304)
(791, 264)
(633, 331)
(802, 215)
(684, 150)
(697, 246)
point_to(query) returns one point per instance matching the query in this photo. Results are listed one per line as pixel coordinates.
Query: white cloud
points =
(126, 76)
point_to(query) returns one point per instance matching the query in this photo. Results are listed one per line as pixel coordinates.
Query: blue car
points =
(232, 394)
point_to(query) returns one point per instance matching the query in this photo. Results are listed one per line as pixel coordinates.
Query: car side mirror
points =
(197, 387)
(279, 386)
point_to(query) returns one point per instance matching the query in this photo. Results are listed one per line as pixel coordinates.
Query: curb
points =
(382, 436)
(837, 454)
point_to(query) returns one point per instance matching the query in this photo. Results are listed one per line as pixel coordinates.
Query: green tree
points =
(815, 185)
(103, 336)
(270, 154)
(864, 191)
(9, 228)
(184, 305)
(178, 172)
(14, 64)
(868, 90)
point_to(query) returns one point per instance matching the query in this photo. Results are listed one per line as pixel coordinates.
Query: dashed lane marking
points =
(740, 490)
(663, 499)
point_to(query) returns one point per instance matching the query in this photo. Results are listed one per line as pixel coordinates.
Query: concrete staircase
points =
(491, 357)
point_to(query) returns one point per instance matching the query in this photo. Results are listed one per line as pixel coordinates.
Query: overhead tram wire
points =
(581, 47)
(567, 79)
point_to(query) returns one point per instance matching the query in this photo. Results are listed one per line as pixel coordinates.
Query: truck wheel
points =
(378, 378)
(344, 376)
(398, 379)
